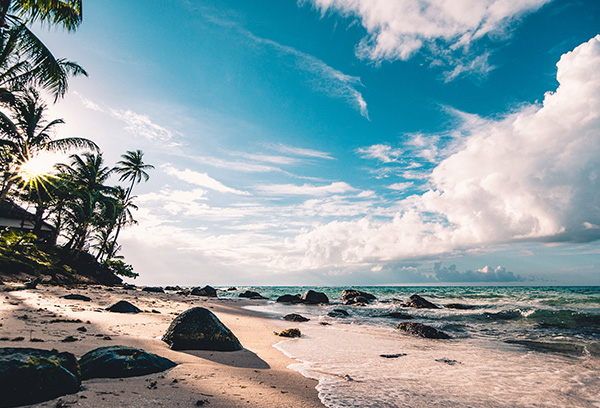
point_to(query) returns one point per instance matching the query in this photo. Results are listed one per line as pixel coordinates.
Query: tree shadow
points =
(240, 359)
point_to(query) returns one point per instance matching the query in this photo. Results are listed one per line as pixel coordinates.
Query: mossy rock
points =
(199, 329)
(29, 376)
(120, 362)
(289, 333)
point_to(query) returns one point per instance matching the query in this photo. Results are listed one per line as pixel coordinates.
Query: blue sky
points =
(349, 142)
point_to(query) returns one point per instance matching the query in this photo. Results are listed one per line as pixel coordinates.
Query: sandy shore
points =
(254, 377)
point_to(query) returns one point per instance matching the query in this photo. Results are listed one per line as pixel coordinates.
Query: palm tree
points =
(27, 133)
(67, 13)
(107, 243)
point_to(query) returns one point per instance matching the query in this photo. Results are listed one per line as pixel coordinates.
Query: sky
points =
(348, 142)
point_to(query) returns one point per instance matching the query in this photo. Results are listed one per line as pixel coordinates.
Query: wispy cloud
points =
(382, 152)
(298, 151)
(305, 189)
(201, 179)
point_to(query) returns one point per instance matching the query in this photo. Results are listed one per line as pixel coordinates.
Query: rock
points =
(29, 376)
(351, 296)
(293, 317)
(251, 295)
(338, 313)
(173, 288)
(199, 329)
(398, 315)
(127, 286)
(32, 284)
(120, 362)
(123, 306)
(314, 298)
(458, 306)
(208, 291)
(289, 299)
(392, 355)
(153, 289)
(422, 330)
(419, 303)
(76, 296)
(231, 289)
(289, 333)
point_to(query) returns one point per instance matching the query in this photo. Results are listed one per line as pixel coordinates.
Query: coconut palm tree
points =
(66, 13)
(26, 133)
(107, 244)
(133, 168)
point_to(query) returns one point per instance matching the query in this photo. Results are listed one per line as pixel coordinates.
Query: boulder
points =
(123, 306)
(338, 313)
(251, 295)
(398, 315)
(120, 362)
(29, 376)
(351, 296)
(153, 289)
(293, 317)
(311, 297)
(289, 333)
(199, 329)
(76, 296)
(422, 330)
(289, 299)
(208, 291)
(419, 303)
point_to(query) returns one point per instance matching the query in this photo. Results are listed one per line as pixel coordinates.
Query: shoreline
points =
(256, 376)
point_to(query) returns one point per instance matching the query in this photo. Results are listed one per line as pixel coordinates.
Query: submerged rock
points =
(289, 333)
(311, 297)
(459, 306)
(352, 296)
(293, 317)
(199, 329)
(289, 299)
(422, 330)
(398, 315)
(208, 291)
(251, 295)
(419, 303)
(120, 362)
(550, 346)
(76, 296)
(338, 313)
(123, 306)
(28, 375)
(153, 289)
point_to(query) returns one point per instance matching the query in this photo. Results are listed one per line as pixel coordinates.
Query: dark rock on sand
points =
(314, 298)
(351, 296)
(459, 306)
(153, 289)
(338, 313)
(419, 303)
(251, 295)
(289, 299)
(392, 355)
(28, 376)
(128, 286)
(199, 329)
(422, 330)
(173, 288)
(293, 317)
(76, 296)
(289, 333)
(208, 291)
(123, 306)
(120, 362)
(398, 315)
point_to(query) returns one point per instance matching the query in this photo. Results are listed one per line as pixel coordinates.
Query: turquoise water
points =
(513, 347)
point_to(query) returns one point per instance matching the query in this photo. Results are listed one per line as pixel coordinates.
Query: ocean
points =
(510, 347)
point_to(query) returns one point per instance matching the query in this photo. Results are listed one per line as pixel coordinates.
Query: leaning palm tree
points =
(26, 133)
(107, 241)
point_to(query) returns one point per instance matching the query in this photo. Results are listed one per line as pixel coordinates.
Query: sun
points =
(37, 167)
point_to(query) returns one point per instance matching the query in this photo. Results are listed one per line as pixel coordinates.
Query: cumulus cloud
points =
(485, 274)
(533, 175)
(201, 180)
(397, 29)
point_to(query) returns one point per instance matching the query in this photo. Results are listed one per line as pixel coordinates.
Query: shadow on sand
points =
(240, 359)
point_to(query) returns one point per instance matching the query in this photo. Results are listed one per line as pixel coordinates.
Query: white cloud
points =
(201, 179)
(401, 186)
(298, 151)
(397, 29)
(382, 152)
(305, 189)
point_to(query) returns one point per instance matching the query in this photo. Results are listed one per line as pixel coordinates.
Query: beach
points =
(256, 376)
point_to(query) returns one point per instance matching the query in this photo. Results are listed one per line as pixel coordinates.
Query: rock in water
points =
(293, 317)
(419, 303)
(338, 313)
(422, 330)
(208, 291)
(76, 296)
(351, 296)
(314, 298)
(120, 362)
(153, 289)
(28, 376)
(459, 306)
(398, 315)
(200, 329)
(123, 306)
(251, 295)
(289, 299)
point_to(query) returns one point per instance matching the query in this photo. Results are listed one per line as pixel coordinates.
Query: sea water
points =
(512, 347)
